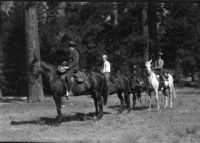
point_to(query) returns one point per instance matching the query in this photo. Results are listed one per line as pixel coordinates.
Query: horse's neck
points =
(150, 75)
(47, 68)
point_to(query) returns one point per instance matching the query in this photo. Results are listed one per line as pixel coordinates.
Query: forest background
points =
(127, 32)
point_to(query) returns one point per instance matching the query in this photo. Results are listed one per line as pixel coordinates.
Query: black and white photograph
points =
(100, 71)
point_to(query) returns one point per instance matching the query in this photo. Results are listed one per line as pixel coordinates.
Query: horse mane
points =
(53, 66)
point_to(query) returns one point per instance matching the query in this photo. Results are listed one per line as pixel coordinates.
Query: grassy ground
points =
(178, 125)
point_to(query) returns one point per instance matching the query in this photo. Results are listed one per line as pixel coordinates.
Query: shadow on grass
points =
(52, 121)
(140, 108)
(115, 107)
(118, 107)
(12, 100)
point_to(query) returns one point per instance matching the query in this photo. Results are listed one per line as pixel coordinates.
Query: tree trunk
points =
(193, 74)
(145, 31)
(152, 29)
(1, 31)
(145, 34)
(1, 93)
(36, 93)
(115, 23)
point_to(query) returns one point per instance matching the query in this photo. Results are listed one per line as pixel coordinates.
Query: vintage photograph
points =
(100, 72)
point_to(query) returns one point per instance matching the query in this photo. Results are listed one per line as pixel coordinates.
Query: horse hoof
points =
(56, 123)
(165, 107)
(149, 109)
(97, 118)
(120, 111)
(170, 107)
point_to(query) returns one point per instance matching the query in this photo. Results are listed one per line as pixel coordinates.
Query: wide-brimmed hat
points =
(160, 53)
(72, 43)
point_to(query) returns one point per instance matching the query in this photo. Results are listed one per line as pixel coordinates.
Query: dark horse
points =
(122, 86)
(136, 88)
(95, 83)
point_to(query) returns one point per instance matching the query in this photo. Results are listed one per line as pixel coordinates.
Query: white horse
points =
(152, 84)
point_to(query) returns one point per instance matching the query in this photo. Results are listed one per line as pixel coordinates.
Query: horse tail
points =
(105, 91)
(174, 92)
(173, 88)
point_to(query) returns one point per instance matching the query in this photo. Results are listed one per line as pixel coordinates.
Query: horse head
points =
(148, 66)
(35, 68)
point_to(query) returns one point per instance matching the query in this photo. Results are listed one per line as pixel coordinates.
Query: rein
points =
(41, 70)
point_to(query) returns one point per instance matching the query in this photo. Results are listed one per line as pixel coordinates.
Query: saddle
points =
(113, 79)
(134, 83)
(165, 75)
(79, 77)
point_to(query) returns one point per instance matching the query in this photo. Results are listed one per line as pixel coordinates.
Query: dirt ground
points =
(178, 125)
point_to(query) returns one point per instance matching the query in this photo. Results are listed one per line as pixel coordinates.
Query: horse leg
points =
(149, 103)
(119, 94)
(134, 98)
(127, 100)
(95, 102)
(96, 106)
(157, 101)
(166, 98)
(57, 100)
(139, 97)
(170, 96)
(98, 101)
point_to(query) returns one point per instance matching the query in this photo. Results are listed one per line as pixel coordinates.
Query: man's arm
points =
(75, 60)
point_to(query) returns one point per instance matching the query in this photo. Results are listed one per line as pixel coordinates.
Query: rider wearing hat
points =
(73, 66)
(158, 66)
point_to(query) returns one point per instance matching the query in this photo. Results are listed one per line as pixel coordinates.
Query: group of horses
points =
(96, 84)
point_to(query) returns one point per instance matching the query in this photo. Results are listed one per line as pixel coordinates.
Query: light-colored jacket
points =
(158, 64)
(106, 67)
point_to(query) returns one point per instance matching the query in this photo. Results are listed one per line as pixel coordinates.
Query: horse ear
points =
(36, 56)
(150, 61)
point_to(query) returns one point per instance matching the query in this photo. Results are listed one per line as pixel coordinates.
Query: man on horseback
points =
(106, 68)
(72, 67)
(158, 67)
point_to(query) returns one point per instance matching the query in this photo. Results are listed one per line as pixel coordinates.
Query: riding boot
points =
(162, 82)
(69, 83)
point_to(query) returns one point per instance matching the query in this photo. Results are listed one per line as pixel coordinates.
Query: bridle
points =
(37, 67)
(148, 69)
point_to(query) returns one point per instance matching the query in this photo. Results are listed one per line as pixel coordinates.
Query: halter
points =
(40, 69)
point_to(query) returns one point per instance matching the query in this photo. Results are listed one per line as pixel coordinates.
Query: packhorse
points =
(136, 88)
(120, 84)
(152, 82)
(95, 83)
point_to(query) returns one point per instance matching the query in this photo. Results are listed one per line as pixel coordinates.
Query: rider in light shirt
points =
(158, 66)
(106, 67)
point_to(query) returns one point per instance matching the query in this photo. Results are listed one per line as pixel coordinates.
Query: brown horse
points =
(95, 83)
(120, 86)
(136, 88)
